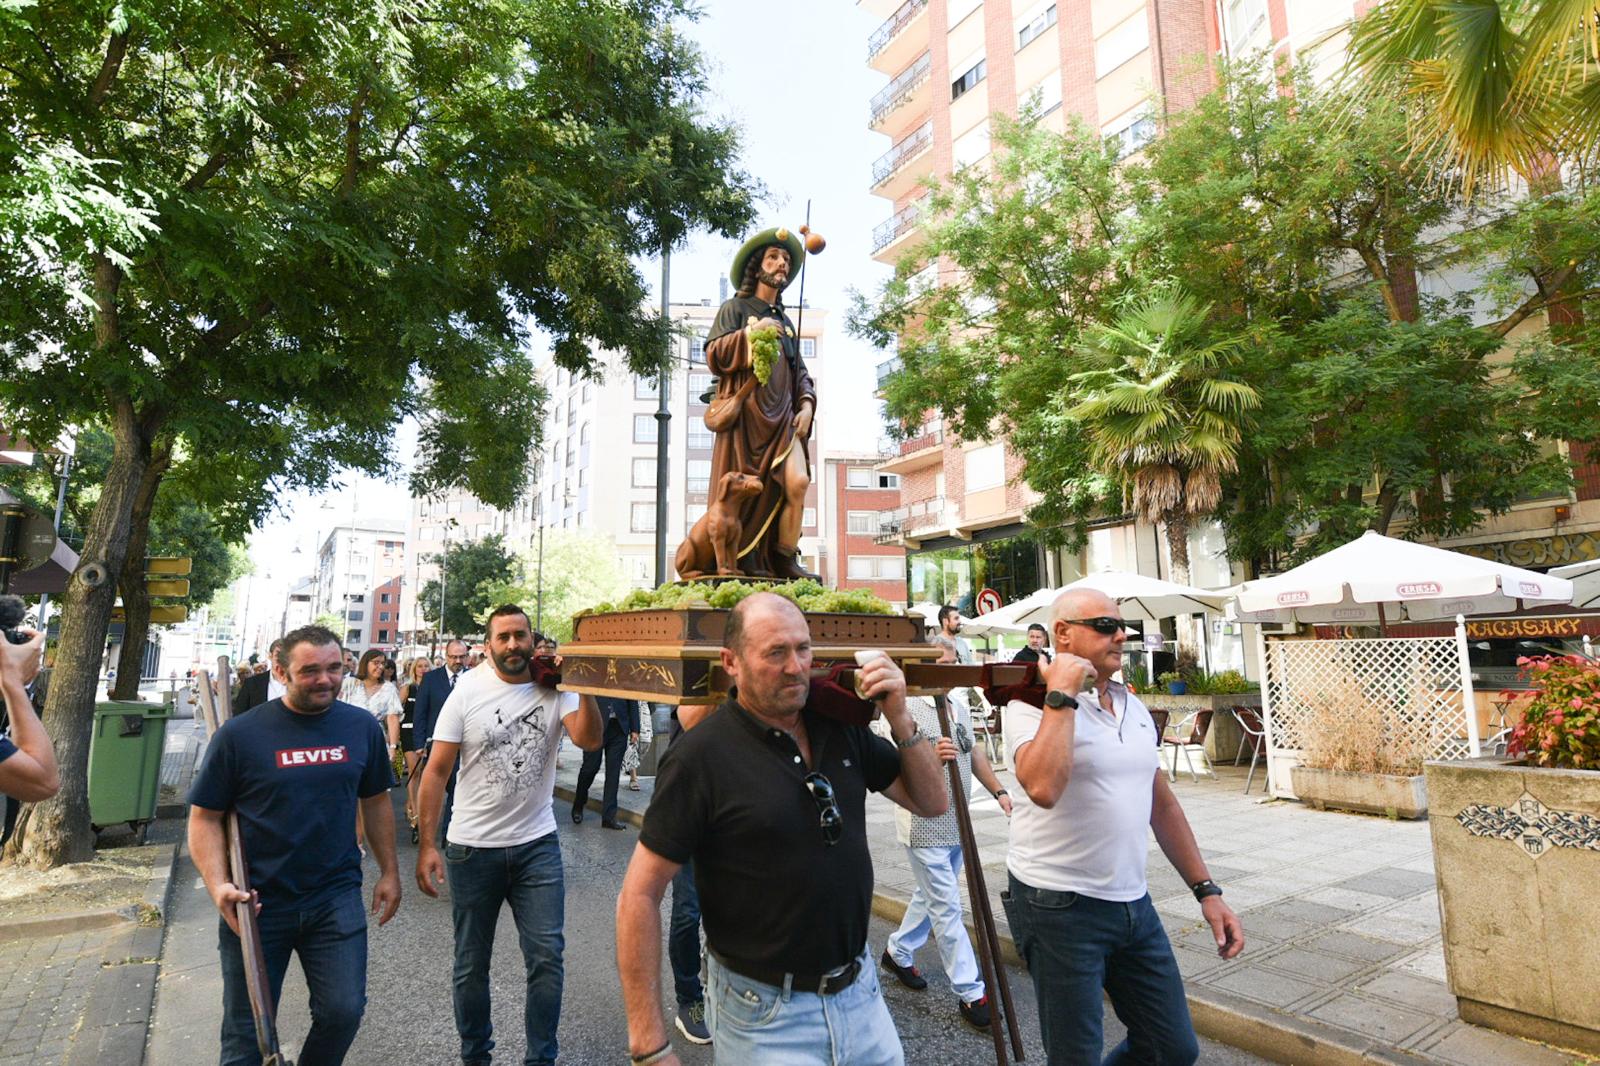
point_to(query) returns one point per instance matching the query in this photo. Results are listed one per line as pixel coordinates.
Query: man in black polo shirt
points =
(767, 797)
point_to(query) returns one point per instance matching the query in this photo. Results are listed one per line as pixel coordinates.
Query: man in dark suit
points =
(622, 728)
(258, 688)
(1038, 649)
(437, 684)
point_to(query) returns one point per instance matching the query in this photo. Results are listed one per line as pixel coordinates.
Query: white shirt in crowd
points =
(508, 736)
(1094, 841)
(381, 701)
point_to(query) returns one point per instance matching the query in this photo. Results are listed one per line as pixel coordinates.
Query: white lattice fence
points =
(1392, 698)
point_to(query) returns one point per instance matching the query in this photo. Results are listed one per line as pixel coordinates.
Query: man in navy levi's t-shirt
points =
(295, 769)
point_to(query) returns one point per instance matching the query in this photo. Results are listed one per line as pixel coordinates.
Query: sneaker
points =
(909, 975)
(976, 1013)
(692, 1023)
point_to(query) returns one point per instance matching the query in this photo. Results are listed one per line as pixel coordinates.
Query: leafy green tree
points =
(468, 565)
(1160, 405)
(260, 236)
(579, 570)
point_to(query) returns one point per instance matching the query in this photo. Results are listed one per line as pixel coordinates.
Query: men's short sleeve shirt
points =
(295, 780)
(1094, 841)
(509, 733)
(731, 795)
(7, 749)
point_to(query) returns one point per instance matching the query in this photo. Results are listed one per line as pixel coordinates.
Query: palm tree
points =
(1160, 410)
(1494, 87)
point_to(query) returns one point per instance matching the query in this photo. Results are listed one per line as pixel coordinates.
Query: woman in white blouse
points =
(368, 689)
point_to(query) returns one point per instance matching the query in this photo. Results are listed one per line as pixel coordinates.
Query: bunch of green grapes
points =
(805, 593)
(763, 351)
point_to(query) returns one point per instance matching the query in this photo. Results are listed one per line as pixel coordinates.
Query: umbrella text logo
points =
(1290, 598)
(1419, 588)
(1530, 588)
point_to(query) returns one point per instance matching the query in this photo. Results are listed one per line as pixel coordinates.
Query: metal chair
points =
(1160, 720)
(1251, 731)
(986, 724)
(1198, 724)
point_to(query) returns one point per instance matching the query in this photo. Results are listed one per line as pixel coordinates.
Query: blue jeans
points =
(612, 748)
(935, 908)
(331, 940)
(1075, 946)
(529, 878)
(683, 938)
(755, 1024)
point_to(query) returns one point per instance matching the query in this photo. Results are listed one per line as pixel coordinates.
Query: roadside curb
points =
(62, 924)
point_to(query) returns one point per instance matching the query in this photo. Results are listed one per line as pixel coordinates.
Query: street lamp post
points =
(663, 421)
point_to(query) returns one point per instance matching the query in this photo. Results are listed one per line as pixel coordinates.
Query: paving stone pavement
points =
(1340, 913)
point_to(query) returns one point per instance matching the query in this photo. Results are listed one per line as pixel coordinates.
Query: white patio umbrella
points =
(1380, 579)
(1585, 578)
(1141, 597)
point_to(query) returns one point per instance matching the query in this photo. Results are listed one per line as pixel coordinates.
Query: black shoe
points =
(908, 974)
(976, 1013)
(611, 824)
(414, 834)
(577, 814)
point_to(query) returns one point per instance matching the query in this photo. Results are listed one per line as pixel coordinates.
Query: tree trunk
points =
(1177, 527)
(57, 831)
(135, 600)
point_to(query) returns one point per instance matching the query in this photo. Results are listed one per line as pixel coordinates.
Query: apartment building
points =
(455, 516)
(357, 579)
(855, 495)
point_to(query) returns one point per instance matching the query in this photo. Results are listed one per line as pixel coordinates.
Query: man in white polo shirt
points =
(1078, 905)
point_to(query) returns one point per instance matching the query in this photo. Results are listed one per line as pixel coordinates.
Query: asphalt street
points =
(409, 1018)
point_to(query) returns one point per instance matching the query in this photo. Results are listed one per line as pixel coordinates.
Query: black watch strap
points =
(1202, 889)
(1057, 699)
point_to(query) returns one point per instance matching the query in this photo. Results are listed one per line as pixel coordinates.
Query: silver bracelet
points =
(913, 740)
(655, 1056)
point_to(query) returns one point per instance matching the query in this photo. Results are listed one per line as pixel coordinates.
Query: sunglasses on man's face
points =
(827, 808)
(1104, 625)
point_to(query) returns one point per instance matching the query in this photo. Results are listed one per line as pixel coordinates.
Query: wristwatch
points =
(1202, 889)
(1055, 699)
(913, 740)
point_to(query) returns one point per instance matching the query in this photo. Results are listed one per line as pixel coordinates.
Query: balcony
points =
(902, 222)
(885, 368)
(910, 85)
(891, 46)
(904, 523)
(893, 174)
(924, 450)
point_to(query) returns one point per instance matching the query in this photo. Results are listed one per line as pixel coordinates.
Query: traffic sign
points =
(161, 614)
(35, 537)
(989, 600)
(176, 586)
(174, 565)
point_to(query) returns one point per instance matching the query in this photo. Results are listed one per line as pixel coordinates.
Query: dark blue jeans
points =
(683, 938)
(331, 940)
(1075, 946)
(529, 878)
(612, 748)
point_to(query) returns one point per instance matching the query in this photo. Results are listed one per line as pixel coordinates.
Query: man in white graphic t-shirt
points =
(501, 845)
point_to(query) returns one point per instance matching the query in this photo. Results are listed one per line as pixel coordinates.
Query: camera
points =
(12, 613)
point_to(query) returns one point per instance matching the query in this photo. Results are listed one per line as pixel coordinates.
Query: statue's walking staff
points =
(217, 710)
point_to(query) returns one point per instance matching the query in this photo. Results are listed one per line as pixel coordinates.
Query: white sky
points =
(793, 75)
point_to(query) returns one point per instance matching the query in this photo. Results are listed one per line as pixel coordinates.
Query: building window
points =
(1244, 16)
(861, 522)
(1030, 30)
(383, 597)
(352, 636)
(808, 347)
(700, 437)
(876, 568)
(970, 78)
(644, 388)
(699, 475)
(1124, 41)
(957, 10)
(588, 392)
(697, 351)
(644, 473)
(1044, 97)
(859, 477)
(572, 412)
(644, 429)
(888, 481)
(355, 616)
(583, 476)
(699, 384)
(693, 513)
(986, 467)
(383, 616)
(808, 518)
(583, 434)
(971, 147)
(644, 518)
(1130, 132)
(383, 636)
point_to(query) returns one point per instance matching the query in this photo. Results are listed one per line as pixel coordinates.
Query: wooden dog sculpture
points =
(712, 546)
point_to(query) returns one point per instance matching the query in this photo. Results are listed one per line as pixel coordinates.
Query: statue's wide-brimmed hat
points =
(778, 236)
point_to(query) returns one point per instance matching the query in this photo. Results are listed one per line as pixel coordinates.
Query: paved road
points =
(409, 1018)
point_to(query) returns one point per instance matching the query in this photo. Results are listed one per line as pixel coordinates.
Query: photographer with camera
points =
(27, 760)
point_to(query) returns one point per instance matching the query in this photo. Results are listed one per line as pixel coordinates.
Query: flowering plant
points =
(1560, 724)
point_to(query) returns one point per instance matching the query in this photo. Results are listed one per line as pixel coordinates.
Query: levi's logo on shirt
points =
(288, 758)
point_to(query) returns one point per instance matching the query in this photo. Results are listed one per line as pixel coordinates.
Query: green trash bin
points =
(125, 763)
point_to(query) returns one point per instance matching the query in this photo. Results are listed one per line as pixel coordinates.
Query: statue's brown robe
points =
(760, 439)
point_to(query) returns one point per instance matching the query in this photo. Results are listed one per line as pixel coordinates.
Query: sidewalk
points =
(78, 965)
(1343, 960)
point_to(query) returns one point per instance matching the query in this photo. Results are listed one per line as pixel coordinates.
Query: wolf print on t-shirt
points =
(514, 750)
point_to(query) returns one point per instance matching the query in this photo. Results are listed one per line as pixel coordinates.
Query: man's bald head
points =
(747, 610)
(1082, 603)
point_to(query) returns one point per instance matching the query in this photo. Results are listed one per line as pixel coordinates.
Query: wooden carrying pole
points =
(216, 708)
(994, 973)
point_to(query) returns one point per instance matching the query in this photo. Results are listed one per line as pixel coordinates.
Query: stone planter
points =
(1222, 740)
(1517, 853)
(1395, 795)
